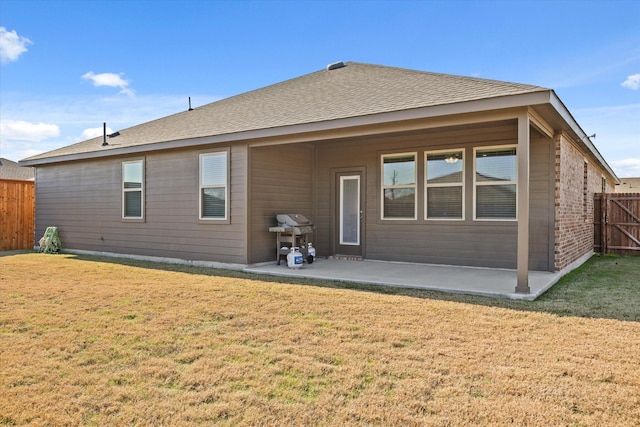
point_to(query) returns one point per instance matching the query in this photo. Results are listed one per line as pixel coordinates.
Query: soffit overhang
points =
(545, 106)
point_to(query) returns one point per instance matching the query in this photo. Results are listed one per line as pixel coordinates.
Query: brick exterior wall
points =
(576, 181)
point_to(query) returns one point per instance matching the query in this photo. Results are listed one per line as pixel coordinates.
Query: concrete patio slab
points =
(490, 282)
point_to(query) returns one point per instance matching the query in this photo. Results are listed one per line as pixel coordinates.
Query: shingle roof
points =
(11, 170)
(351, 91)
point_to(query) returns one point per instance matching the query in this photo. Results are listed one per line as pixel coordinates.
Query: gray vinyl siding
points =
(467, 242)
(84, 200)
(281, 182)
(481, 245)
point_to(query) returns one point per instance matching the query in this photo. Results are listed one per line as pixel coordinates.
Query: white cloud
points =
(18, 150)
(632, 82)
(19, 130)
(20, 139)
(628, 168)
(75, 115)
(12, 45)
(110, 80)
(94, 132)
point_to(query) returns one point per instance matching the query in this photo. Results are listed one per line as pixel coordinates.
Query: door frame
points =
(336, 173)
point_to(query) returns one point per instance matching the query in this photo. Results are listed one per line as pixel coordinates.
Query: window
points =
(444, 185)
(213, 185)
(133, 189)
(495, 182)
(399, 186)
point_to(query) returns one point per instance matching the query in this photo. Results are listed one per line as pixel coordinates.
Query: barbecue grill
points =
(293, 230)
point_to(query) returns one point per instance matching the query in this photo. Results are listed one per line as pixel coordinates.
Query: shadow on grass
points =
(604, 287)
(15, 252)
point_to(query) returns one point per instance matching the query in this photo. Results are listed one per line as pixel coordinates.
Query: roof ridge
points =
(447, 75)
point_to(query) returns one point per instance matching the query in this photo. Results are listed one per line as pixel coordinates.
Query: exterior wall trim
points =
(539, 123)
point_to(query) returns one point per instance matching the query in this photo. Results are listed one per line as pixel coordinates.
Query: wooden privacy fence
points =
(17, 209)
(617, 223)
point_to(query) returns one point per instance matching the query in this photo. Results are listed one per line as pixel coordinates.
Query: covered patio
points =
(489, 282)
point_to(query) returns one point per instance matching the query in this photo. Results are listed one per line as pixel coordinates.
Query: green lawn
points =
(606, 287)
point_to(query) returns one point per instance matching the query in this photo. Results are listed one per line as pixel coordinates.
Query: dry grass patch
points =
(102, 343)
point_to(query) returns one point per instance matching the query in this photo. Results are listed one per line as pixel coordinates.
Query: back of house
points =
(388, 163)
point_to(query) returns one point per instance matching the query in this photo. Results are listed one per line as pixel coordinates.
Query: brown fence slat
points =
(17, 209)
(617, 223)
(629, 235)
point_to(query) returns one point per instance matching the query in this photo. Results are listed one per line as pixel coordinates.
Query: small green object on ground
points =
(50, 242)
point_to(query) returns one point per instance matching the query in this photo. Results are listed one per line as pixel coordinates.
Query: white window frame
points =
(386, 187)
(201, 187)
(489, 183)
(131, 190)
(450, 184)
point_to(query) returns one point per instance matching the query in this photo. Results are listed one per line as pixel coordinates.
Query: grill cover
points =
(298, 223)
(293, 220)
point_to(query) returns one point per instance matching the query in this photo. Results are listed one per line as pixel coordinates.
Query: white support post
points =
(522, 285)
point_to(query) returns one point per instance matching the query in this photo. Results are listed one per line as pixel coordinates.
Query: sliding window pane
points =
(496, 165)
(496, 201)
(133, 204)
(444, 202)
(213, 202)
(399, 203)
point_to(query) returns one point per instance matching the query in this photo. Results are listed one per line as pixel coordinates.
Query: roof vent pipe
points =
(190, 109)
(336, 65)
(104, 134)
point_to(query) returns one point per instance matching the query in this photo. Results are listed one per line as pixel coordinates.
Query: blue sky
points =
(68, 66)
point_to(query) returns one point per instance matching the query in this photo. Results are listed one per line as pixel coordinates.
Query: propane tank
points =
(311, 253)
(294, 258)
